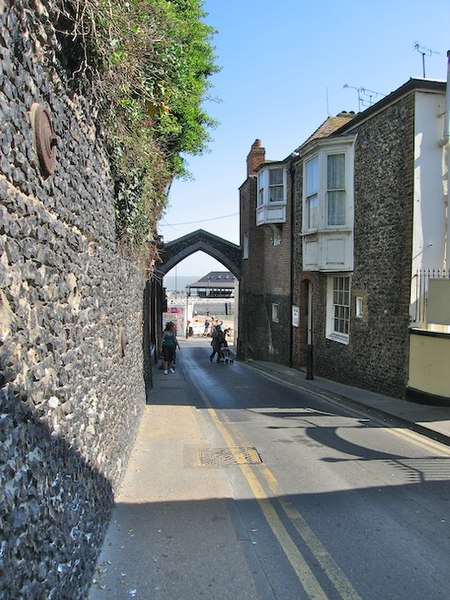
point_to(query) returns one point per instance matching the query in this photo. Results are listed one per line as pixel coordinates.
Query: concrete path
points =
(173, 527)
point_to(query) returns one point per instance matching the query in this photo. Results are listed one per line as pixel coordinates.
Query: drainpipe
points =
(445, 143)
(292, 283)
(447, 105)
(291, 329)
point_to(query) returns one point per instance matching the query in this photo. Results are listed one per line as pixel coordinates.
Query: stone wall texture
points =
(71, 371)
(376, 356)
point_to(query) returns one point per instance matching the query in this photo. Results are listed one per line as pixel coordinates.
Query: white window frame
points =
(311, 195)
(332, 190)
(271, 211)
(321, 154)
(337, 308)
(260, 191)
(276, 185)
(264, 186)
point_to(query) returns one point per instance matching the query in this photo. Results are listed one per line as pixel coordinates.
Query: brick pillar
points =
(256, 156)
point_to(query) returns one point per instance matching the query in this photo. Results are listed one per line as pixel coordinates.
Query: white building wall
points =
(431, 223)
(430, 190)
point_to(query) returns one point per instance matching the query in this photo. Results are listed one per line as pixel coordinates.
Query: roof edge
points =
(413, 84)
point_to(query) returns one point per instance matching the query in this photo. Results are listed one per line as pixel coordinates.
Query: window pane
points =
(336, 172)
(276, 193)
(341, 304)
(312, 209)
(336, 208)
(312, 176)
(260, 180)
(276, 177)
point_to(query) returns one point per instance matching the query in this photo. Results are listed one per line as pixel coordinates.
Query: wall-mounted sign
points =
(295, 316)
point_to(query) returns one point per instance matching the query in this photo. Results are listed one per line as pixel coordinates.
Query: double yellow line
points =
(309, 582)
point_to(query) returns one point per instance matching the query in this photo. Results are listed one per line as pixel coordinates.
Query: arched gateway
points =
(171, 253)
(177, 250)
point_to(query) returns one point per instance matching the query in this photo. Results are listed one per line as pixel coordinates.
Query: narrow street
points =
(241, 486)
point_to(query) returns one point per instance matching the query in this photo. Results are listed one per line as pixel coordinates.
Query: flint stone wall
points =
(71, 370)
(377, 354)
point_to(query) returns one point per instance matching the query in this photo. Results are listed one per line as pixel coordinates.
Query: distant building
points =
(217, 284)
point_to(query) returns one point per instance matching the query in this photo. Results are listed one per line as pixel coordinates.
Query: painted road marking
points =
(419, 440)
(309, 582)
(325, 560)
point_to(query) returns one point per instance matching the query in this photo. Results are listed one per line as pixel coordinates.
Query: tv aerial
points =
(365, 97)
(424, 52)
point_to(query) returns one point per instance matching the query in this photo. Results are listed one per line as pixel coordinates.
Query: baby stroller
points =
(226, 356)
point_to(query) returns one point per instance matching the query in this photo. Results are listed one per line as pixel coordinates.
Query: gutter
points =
(429, 85)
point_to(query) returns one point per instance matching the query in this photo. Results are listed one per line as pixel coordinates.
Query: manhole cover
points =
(229, 456)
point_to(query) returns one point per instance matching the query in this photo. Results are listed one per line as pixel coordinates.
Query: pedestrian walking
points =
(206, 329)
(169, 344)
(218, 339)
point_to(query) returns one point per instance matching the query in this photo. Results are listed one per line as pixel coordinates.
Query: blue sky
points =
(283, 69)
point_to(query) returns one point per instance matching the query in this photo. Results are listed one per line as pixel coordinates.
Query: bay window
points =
(271, 195)
(327, 219)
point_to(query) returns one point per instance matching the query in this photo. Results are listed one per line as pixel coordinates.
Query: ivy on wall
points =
(148, 65)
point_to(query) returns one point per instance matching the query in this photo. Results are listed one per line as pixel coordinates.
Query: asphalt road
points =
(281, 494)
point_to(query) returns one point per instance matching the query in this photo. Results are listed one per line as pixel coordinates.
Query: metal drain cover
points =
(229, 456)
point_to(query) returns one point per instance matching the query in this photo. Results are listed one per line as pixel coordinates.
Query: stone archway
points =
(171, 253)
(222, 250)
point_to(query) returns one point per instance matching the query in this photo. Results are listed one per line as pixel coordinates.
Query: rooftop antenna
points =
(424, 52)
(365, 96)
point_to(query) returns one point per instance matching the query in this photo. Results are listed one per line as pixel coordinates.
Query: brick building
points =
(366, 195)
(266, 242)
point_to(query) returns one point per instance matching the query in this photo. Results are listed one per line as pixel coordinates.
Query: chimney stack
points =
(256, 156)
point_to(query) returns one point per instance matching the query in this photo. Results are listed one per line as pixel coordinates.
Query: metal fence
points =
(419, 291)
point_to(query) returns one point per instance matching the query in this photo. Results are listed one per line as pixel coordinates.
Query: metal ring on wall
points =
(44, 138)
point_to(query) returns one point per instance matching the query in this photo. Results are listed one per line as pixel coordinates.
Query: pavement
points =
(165, 496)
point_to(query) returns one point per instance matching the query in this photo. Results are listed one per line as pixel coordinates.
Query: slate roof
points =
(216, 279)
(328, 127)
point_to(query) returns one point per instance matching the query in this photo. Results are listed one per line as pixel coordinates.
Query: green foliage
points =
(151, 62)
